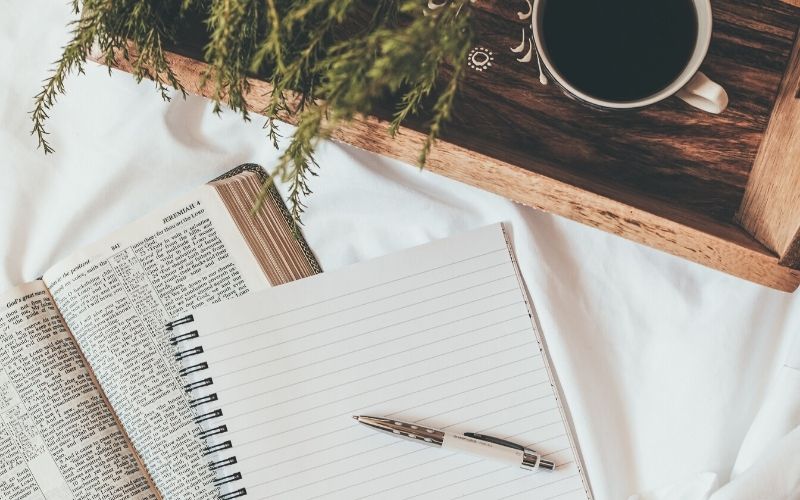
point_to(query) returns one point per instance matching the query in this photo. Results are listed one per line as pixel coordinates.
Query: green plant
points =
(327, 61)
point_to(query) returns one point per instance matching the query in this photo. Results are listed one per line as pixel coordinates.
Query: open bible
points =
(91, 403)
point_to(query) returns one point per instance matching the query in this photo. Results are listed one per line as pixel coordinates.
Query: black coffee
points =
(619, 50)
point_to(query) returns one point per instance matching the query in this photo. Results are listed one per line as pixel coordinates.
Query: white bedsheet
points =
(665, 363)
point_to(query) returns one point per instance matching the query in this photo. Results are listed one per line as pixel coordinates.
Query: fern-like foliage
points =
(327, 60)
(109, 25)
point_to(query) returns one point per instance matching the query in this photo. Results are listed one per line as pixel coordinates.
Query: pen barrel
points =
(489, 451)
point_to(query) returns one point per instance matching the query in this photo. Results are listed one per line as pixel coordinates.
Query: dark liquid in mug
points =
(619, 50)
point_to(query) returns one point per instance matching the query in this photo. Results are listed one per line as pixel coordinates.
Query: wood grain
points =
(669, 151)
(771, 206)
(670, 176)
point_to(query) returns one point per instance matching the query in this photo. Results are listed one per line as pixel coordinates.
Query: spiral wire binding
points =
(209, 428)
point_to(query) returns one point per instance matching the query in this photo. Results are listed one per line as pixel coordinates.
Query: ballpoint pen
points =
(472, 443)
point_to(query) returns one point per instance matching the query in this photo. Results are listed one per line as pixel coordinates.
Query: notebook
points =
(442, 335)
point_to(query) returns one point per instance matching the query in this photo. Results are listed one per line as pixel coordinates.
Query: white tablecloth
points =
(665, 363)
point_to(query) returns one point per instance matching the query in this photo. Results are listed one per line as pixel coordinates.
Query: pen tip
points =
(355, 417)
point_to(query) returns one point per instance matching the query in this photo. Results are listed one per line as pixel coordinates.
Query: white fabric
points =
(665, 363)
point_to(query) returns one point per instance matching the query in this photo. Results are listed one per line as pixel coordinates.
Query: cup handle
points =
(704, 94)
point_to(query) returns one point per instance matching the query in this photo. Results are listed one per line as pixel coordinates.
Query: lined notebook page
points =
(439, 334)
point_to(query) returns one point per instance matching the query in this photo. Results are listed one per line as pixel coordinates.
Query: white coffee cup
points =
(691, 85)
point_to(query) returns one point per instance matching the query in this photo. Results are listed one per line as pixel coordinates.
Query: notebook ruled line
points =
(565, 493)
(423, 478)
(416, 421)
(369, 391)
(419, 421)
(448, 485)
(244, 459)
(541, 486)
(366, 348)
(406, 410)
(224, 374)
(324, 375)
(350, 323)
(424, 330)
(443, 457)
(312, 304)
(431, 417)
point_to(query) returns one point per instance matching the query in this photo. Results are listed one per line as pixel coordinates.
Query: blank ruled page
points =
(439, 334)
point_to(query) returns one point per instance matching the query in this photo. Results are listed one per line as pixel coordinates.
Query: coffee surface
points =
(619, 50)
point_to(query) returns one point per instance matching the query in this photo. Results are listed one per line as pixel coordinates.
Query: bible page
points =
(117, 295)
(441, 335)
(58, 437)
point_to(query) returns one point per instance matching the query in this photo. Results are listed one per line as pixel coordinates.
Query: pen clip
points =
(494, 440)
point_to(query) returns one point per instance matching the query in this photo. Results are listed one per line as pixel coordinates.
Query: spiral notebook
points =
(442, 334)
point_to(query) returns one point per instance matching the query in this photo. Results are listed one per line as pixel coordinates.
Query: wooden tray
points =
(720, 190)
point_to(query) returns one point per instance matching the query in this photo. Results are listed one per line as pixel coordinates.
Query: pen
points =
(472, 443)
